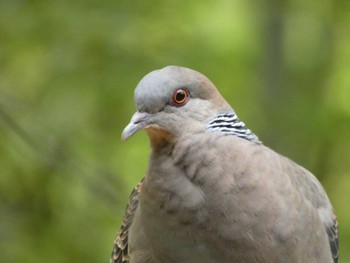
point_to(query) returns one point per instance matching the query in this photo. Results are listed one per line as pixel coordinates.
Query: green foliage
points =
(67, 74)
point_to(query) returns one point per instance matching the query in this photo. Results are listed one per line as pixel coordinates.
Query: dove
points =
(212, 191)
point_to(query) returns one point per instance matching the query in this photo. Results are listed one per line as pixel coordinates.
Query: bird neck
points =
(159, 138)
(228, 123)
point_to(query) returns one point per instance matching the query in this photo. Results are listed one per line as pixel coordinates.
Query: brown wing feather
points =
(120, 249)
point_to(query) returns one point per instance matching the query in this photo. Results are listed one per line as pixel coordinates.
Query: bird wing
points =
(120, 249)
(314, 192)
(333, 236)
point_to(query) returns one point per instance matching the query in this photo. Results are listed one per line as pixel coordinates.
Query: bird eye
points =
(180, 97)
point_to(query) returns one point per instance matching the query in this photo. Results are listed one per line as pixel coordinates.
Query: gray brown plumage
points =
(120, 249)
(213, 192)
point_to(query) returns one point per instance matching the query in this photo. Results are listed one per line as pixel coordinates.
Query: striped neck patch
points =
(230, 124)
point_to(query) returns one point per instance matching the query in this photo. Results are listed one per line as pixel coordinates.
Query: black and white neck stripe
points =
(230, 124)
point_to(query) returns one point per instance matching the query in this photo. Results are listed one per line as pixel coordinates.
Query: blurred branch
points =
(273, 83)
(54, 157)
(17, 129)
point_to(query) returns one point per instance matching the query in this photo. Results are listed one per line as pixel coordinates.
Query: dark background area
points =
(67, 74)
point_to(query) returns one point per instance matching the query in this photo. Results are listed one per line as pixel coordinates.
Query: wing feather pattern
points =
(120, 249)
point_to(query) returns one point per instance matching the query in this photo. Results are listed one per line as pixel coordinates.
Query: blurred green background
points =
(67, 74)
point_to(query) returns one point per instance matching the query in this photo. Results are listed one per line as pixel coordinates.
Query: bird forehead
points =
(154, 91)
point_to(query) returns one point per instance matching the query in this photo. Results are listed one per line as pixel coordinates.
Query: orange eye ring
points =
(180, 97)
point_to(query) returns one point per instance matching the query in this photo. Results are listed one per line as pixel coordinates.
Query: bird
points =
(213, 192)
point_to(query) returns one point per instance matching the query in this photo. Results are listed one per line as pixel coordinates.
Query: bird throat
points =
(159, 138)
(229, 124)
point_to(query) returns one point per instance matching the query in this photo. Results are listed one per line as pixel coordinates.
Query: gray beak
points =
(138, 121)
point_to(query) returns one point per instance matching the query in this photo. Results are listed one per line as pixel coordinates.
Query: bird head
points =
(172, 101)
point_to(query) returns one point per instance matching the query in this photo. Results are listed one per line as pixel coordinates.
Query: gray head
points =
(174, 100)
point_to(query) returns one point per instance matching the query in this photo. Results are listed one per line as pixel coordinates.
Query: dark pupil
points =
(180, 95)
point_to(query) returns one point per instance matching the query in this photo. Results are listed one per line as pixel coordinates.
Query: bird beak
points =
(138, 121)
